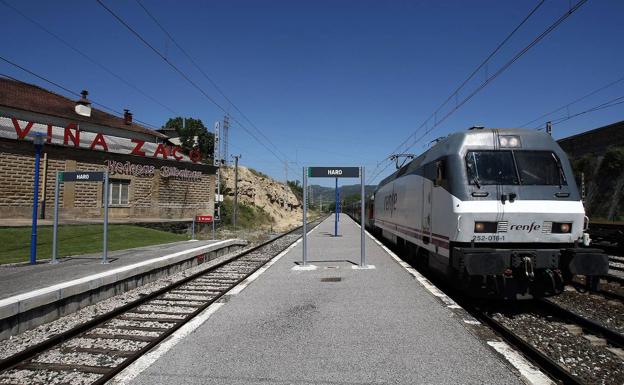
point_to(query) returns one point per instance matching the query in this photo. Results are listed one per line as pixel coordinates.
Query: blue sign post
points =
(337, 208)
(333, 172)
(38, 140)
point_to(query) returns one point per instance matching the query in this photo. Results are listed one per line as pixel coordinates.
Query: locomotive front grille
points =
(547, 227)
(502, 227)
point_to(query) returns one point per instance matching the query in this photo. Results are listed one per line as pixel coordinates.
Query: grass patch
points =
(248, 216)
(258, 173)
(78, 239)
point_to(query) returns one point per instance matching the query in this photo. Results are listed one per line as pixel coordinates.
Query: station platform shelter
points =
(335, 324)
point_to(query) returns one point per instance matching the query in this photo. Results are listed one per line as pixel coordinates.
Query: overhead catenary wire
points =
(462, 85)
(89, 58)
(567, 105)
(484, 84)
(184, 75)
(205, 75)
(608, 104)
(55, 84)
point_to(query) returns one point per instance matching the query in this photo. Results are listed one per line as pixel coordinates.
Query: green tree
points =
(193, 128)
(296, 188)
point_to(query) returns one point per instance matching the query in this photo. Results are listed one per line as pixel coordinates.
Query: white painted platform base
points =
(304, 268)
(366, 267)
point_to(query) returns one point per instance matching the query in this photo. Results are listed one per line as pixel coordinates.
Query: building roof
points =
(596, 141)
(29, 97)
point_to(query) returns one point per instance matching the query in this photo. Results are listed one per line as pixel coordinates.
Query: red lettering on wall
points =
(21, 134)
(49, 138)
(99, 141)
(137, 148)
(74, 137)
(160, 150)
(174, 153)
(195, 155)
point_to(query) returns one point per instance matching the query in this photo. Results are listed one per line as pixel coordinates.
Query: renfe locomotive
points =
(497, 211)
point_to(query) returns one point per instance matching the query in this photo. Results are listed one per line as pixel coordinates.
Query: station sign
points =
(203, 218)
(334, 172)
(81, 176)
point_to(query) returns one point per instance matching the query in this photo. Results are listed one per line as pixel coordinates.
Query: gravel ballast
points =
(592, 364)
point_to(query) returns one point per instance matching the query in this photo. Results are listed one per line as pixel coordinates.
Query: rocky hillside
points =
(604, 183)
(273, 197)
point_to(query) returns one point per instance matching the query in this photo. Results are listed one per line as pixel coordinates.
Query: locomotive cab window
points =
(514, 167)
(491, 167)
(440, 176)
(539, 168)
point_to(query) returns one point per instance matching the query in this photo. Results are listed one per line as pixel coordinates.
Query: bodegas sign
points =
(144, 170)
(72, 136)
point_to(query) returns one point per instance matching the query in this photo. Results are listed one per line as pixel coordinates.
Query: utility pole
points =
(236, 158)
(217, 162)
(226, 136)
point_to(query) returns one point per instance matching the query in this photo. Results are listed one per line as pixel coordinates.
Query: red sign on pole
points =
(204, 218)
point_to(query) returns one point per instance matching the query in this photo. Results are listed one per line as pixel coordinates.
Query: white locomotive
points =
(496, 210)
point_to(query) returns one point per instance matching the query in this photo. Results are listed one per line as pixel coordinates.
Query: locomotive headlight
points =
(485, 227)
(509, 141)
(561, 228)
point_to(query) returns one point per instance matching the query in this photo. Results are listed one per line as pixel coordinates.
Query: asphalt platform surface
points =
(377, 326)
(18, 279)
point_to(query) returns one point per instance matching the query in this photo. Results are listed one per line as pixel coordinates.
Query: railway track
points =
(95, 351)
(552, 316)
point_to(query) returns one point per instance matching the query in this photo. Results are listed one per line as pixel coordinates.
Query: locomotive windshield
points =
(491, 167)
(514, 167)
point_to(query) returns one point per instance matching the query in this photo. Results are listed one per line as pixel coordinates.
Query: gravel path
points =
(592, 364)
(47, 377)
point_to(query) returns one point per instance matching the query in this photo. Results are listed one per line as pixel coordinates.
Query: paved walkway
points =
(333, 325)
(17, 279)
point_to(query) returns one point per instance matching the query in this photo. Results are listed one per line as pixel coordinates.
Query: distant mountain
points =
(327, 194)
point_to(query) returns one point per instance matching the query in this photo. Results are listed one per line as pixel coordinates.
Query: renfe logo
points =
(390, 202)
(334, 172)
(528, 228)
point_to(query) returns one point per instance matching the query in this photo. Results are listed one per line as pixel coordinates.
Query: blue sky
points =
(329, 82)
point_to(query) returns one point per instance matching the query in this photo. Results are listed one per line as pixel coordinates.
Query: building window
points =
(118, 192)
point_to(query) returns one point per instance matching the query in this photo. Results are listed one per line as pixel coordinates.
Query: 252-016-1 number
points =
(488, 238)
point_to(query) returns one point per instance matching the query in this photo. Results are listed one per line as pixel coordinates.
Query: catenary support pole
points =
(305, 217)
(362, 210)
(105, 241)
(236, 157)
(57, 187)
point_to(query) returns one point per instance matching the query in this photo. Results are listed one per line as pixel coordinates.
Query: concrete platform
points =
(332, 325)
(31, 295)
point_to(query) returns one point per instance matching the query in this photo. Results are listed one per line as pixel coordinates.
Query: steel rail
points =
(547, 364)
(614, 278)
(614, 337)
(17, 359)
